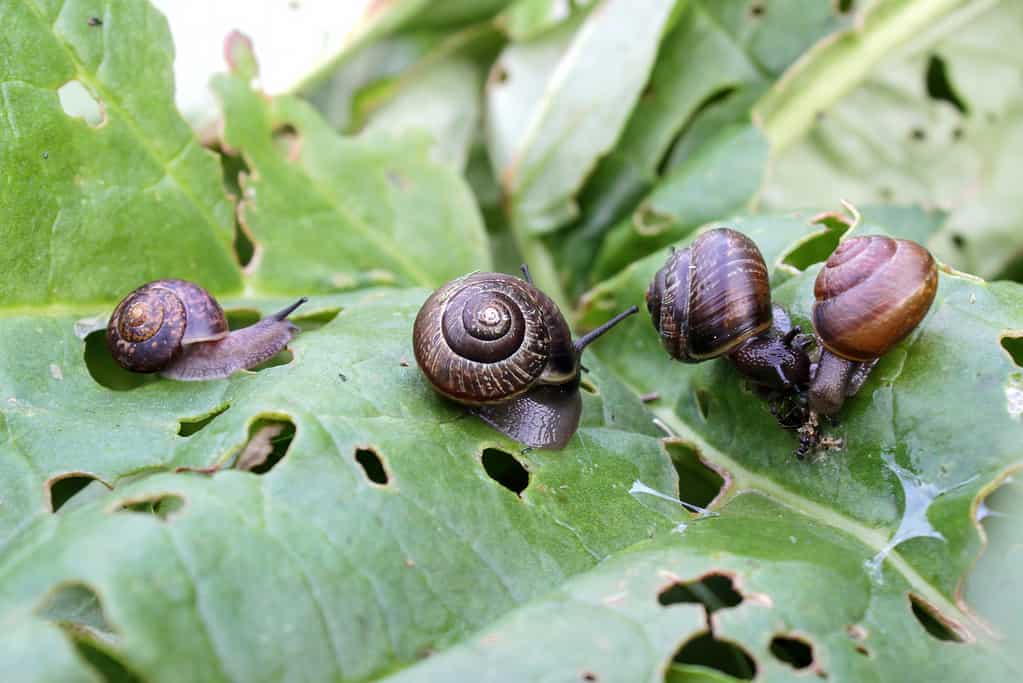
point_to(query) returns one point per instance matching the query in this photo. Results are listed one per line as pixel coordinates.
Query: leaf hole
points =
(268, 443)
(936, 624)
(844, 6)
(503, 468)
(589, 677)
(757, 8)
(938, 85)
(59, 490)
(795, 652)
(105, 371)
(76, 604)
(372, 465)
(162, 506)
(863, 650)
(77, 102)
(76, 608)
(288, 141)
(1013, 345)
(918, 134)
(192, 425)
(233, 168)
(103, 661)
(714, 591)
(704, 650)
(958, 241)
(499, 74)
(819, 247)
(698, 484)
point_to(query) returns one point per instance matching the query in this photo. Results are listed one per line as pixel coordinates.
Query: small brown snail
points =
(178, 329)
(713, 299)
(498, 344)
(871, 293)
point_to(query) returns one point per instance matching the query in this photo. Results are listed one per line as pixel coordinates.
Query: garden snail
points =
(871, 293)
(178, 329)
(713, 299)
(498, 344)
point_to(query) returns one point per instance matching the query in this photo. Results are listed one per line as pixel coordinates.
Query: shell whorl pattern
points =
(488, 337)
(711, 296)
(150, 325)
(872, 292)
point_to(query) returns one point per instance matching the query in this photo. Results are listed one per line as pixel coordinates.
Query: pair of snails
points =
(713, 299)
(500, 346)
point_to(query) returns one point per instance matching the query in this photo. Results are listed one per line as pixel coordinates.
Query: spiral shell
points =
(489, 337)
(871, 293)
(151, 325)
(711, 296)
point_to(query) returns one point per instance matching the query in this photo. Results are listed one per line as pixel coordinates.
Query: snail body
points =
(713, 299)
(499, 345)
(871, 293)
(176, 328)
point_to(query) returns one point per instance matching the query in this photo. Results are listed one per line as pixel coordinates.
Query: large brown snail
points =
(713, 299)
(178, 329)
(871, 293)
(499, 345)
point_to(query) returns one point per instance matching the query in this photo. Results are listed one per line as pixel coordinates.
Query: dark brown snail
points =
(872, 292)
(178, 329)
(496, 343)
(713, 299)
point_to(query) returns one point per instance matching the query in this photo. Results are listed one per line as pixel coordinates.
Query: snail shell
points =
(178, 329)
(488, 337)
(872, 292)
(711, 296)
(150, 326)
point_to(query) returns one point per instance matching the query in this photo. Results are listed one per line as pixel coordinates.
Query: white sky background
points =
(292, 39)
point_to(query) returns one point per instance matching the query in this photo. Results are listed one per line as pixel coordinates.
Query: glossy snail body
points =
(178, 329)
(496, 343)
(871, 293)
(713, 299)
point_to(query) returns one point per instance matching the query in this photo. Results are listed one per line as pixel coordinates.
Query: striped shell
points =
(489, 337)
(871, 293)
(149, 327)
(711, 296)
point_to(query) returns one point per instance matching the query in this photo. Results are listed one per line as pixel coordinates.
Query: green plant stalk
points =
(839, 63)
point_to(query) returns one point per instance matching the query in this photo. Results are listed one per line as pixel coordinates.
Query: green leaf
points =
(313, 555)
(737, 52)
(84, 209)
(717, 179)
(899, 137)
(556, 104)
(444, 101)
(329, 213)
(797, 577)
(527, 19)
